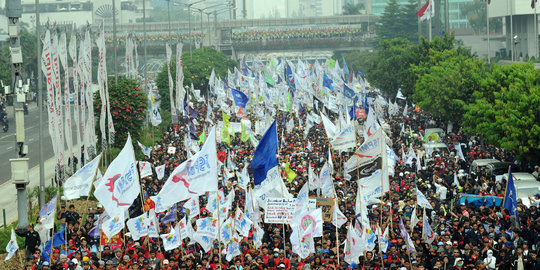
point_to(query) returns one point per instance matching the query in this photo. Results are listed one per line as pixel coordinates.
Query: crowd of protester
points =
(296, 33)
(468, 236)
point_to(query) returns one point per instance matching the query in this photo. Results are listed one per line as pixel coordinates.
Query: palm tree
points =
(352, 9)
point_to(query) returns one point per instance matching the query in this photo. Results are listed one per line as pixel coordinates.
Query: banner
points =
(279, 210)
(80, 183)
(72, 49)
(120, 184)
(114, 242)
(327, 207)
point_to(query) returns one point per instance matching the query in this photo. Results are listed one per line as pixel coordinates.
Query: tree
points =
(390, 65)
(398, 22)
(196, 71)
(449, 83)
(506, 113)
(352, 9)
(128, 108)
(357, 60)
(476, 15)
(28, 46)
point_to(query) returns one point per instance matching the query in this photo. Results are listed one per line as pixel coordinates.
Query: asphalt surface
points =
(8, 147)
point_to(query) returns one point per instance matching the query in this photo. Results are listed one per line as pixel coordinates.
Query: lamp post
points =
(189, 22)
(201, 12)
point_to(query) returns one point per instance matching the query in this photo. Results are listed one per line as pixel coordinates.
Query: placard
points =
(327, 206)
(114, 242)
(279, 210)
(171, 150)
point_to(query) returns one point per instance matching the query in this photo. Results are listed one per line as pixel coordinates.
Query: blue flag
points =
(345, 70)
(48, 207)
(171, 216)
(348, 92)
(264, 157)
(240, 99)
(327, 82)
(58, 239)
(290, 77)
(510, 202)
(352, 111)
(245, 68)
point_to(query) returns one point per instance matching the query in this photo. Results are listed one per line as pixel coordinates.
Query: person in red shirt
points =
(282, 259)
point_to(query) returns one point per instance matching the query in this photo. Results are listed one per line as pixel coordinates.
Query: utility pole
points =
(114, 42)
(144, 28)
(40, 108)
(19, 165)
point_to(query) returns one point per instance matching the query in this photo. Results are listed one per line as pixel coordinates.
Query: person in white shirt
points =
(490, 261)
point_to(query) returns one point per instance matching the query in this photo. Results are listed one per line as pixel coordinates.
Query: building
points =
(518, 26)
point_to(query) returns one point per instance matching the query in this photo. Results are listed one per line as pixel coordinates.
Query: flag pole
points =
(506, 189)
(431, 16)
(487, 30)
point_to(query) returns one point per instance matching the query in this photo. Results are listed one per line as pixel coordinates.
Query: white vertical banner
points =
(91, 126)
(179, 77)
(62, 51)
(101, 80)
(72, 49)
(46, 67)
(171, 85)
(60, 139)
(81, 71)
(110, 124)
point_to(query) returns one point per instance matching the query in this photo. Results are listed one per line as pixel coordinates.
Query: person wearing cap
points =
(110, 265)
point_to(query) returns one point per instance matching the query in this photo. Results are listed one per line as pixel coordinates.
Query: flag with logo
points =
(112, 225)
(57, 239)
(120, 184)
(137, 227)
(194, 176)
(408, 241)
(313, 217)
(421, 200)
(193, 206)
(12, 246)
(48, 208)
(240, 99)
(384, 240)
(242, 223)
(510, 203)
(171, 240)
(80, 183)
(146, 150)
(153, 230)
(427, 233)
(145, 168)
(160, 171)
(171, 215)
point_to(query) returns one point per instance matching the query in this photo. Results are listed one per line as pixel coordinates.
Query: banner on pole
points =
(279, 210)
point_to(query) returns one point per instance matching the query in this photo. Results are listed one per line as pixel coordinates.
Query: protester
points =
(467, 233)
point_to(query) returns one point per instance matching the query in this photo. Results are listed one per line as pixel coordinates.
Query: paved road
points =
(8, 147)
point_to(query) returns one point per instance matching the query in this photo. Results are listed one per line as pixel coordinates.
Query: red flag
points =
(426, 12)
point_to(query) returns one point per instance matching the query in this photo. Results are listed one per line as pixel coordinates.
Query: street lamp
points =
(201, 12)
(189, 22)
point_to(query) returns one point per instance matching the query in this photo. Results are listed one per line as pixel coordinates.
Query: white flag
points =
(344, 139)
(313, 217)
(384, 240)
(338, 218)
(12, 246)
(194, 176)
(120, 185)
(400, 95)
(193, 206)
(112, 225)
(242, 223)
(422, 200)
(184, 228)
(353, 246)
(427, 232)
(414, 219)
(146, 150)
(243, 180)
(138, 227)
(160, 171)
(171, 240)
(331, 130)
(233, 250)
(80, 183)
(151, 222)
(146, 168)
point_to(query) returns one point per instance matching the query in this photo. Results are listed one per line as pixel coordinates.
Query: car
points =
(498, 169)
(526, 188)
(433, 135)
(434, 147)
(520, 177)
(481, 163)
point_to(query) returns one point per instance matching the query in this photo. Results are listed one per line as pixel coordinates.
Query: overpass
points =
(179, 27)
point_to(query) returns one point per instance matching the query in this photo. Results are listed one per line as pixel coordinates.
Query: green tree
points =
(398, 21)
(352, 9)
(476, 15)
(506, 113)
(196, 71)
(128, 108)
(28, 46)
(357, 60)
(449, 83)
(390, 65)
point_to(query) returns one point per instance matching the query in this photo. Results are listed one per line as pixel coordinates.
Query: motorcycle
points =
(4, 119)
